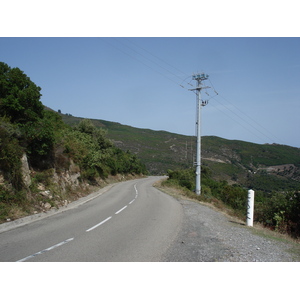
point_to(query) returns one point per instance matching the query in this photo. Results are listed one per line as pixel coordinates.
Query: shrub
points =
(10, 158)
(235, 197)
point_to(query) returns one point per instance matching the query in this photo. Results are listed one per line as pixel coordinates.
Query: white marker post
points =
(250, 208)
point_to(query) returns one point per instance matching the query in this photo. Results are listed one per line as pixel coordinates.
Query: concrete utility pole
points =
(199, 78)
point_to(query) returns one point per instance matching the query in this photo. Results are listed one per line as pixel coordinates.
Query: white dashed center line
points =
(121, 209)
(98, 224)
(45, 250)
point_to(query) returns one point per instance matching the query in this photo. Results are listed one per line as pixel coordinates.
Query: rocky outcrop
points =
(52, 187)
(68, 178)
(25, 171)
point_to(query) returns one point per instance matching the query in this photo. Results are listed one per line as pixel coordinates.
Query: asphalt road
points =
(132, 221)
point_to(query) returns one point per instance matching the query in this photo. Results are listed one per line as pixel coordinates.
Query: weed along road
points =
(132, 221)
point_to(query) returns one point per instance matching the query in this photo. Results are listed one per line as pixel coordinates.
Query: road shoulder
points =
(209, 235)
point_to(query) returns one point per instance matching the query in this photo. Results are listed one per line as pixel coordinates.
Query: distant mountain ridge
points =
(230, 160)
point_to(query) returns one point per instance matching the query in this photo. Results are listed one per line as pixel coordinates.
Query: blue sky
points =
(145, 82)
(139, 84)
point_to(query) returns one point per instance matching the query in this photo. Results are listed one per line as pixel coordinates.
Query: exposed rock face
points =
(25, 171)
(73, 174)
(68, 177)
(55, 186)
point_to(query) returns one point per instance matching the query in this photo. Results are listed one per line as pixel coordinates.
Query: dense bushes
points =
(184, 178)
(233, 196)
(278, 210)
(85, 144)
(268, 183)
(96, 155)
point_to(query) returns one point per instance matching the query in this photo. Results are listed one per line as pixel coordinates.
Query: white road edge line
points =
(131, 201)
(45, 250)
(98, 224)
(121, 209)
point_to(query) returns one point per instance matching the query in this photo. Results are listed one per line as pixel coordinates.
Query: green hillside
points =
(158, 150)
(235, 161)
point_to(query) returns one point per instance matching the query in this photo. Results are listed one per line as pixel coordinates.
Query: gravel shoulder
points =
(208, 235)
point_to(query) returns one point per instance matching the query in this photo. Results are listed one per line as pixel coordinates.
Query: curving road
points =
(132, 221)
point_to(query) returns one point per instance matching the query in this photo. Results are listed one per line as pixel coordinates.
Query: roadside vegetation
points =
(278, 210)
(43, 160)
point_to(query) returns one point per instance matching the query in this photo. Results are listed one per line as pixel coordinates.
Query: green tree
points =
(19, 96)
(98, 134)
(20, 105)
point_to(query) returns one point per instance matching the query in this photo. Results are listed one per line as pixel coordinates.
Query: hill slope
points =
(159, 150)
(236, 161)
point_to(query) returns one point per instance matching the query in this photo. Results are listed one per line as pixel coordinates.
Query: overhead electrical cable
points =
(159, 58)
(233, 112)
(133, 57)
(253, 120)
(247, 116)
(153, 62)
(238, 123)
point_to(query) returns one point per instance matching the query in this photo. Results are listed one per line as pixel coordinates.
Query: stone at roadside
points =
(47, 206)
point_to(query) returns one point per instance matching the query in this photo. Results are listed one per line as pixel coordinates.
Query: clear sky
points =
(131, 62)
(145, 82)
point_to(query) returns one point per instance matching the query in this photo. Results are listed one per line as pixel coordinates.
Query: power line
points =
(133, 57)
(159, 58)
(237, 121)
(152, 61)
(233, 112)
(158, 64)
(253, 120)
(247, 116)
(189, 83)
